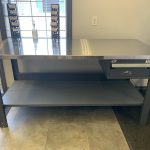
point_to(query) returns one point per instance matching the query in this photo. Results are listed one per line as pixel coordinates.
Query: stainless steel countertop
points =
(74, 49)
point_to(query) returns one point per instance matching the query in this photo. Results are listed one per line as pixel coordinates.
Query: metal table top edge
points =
(102, 49)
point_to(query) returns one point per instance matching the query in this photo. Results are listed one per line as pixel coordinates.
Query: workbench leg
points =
(3, 120)
(2, 75)
(146, 106)
(15, 68)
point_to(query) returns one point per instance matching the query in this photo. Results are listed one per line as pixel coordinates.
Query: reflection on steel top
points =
(76, 48)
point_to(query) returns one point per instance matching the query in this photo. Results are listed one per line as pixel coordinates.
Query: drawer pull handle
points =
(114, 61)
(127, 72)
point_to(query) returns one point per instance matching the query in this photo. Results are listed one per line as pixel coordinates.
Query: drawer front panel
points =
(126, 69)
(129, 73)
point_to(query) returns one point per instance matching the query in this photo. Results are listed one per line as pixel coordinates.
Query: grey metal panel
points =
(63, 76)
(41, 65)
(72, 93)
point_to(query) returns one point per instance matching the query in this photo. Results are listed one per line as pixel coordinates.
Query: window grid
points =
(32, 16)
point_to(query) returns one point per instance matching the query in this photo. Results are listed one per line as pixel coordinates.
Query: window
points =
(40, 12)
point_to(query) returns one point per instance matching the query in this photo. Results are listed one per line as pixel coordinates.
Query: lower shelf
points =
(72, 93)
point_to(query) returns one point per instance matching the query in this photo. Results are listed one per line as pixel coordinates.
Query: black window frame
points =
(68, 20)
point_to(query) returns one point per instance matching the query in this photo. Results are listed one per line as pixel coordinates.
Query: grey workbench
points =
(120, 59)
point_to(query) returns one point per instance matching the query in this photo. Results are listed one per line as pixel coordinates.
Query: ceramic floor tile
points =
(66, 136)
(68, 128)
(35, 140)
(12, 142)
(3, 133)
(67, 114)
(81, 114)
(25, 131)
(26, 137)
(99, 128)
(105, 136)
(105, 133)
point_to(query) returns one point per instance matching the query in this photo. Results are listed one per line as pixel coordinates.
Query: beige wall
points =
(116, 19)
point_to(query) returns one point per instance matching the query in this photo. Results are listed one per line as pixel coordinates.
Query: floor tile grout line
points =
(88, 142)
(46, 137)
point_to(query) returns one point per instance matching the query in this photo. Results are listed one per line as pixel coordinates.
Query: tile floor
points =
(66, 128)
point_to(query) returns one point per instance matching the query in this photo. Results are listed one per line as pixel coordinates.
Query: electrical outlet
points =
(94, 20)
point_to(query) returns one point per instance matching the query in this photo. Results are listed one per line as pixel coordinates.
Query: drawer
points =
(128, 73)
(126, 69)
